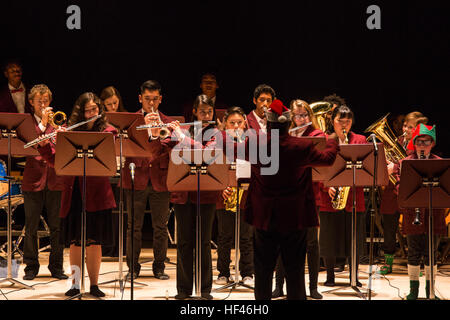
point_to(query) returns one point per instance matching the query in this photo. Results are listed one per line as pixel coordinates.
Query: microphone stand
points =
(373, 212)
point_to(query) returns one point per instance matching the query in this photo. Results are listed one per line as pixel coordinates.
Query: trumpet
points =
(54, 133)
(56, 119)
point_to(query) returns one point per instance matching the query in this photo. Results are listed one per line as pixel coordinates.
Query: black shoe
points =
(72, 292)
(30, 275)
(207, 296)
(182, 296)
(278, 292)
(161, 276)
(358, 284)
(313, 293)
(96, 292)
(59, 275)
(329, 283)
(128, 276)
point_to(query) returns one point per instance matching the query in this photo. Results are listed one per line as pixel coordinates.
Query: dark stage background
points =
(303, 49)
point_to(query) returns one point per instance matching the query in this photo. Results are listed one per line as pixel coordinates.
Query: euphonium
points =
(321, 110)
(340, 198)
(56, 119)
(392, 148)
(230, 203)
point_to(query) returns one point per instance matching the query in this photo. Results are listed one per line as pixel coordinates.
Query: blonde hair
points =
(303, 104)
(417, 117)
(41, 89)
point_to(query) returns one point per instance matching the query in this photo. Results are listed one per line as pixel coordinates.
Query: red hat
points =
(278, 112)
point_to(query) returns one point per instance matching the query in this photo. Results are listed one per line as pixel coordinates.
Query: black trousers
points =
(390, 226)
(185, 215)
(159, 206)
(312, 250)
(418, 249)
(226, 226)
(292, 247)
(34, 203)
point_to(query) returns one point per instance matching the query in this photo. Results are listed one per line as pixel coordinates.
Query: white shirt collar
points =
(12, 88)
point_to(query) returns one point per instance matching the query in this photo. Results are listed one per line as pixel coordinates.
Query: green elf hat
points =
(422, 130)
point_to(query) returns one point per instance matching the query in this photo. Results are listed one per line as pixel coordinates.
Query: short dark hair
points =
(264, 88)
(344, 112)
(150, 85)
(232, 110)
(334, 99)
(209, 74)
(10, 62)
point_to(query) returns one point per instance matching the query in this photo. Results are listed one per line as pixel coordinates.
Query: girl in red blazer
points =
(335, 226)
(301, 115)
(99, 200)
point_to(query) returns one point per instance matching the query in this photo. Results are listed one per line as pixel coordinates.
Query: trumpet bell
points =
(57, 119)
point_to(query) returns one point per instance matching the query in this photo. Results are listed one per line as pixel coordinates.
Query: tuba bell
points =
(394, 151)
(321, 111)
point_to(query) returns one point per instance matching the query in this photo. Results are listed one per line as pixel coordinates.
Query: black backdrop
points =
(303, 49)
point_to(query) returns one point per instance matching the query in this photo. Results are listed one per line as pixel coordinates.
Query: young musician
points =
(301, 116)
(335, 226)
(281, 207)
(41, 188)
(423, 139)
(262, 98)
(234, 121)
(389, 208)
(150, 187)
(99, 200)
(13, 97)
(112, 100)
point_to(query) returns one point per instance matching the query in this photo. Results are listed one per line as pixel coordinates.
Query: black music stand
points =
(195, 170)
(344, 173)
(426, 183)
(16, 130)
(131, 143)
(84, 154)
(243, 183)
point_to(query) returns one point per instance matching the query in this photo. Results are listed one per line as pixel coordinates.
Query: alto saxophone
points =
(340, 198)
(230, 203)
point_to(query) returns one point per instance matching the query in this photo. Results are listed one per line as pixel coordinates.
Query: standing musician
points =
(99, 200)
(41, 188)
(13, 97)
(262, 98)
(335, 225)
(234, 125)
(150, 186)
(281, 207)
(423, 139)
(389, 207)
(301, 115)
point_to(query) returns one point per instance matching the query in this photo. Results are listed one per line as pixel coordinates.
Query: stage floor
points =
(394, 286)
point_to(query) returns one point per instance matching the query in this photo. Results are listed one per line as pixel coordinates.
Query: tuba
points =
(321, 110)
(394, 151)
(340, 198)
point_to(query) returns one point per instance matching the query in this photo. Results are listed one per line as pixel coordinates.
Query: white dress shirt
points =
(262, 123)
(18, 97)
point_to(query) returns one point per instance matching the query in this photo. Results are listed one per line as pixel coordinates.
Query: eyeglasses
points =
(423, 142)
(150, 99)
(302, 115)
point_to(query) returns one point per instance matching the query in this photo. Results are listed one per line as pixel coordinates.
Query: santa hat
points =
(422, 130)
(278, 112)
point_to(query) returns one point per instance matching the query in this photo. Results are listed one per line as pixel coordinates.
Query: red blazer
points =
(38, 173)
(252, 123)
(99, 194)
(152, 169)
(325, 200)
(285, 201)
(7, 103)
(409, 213)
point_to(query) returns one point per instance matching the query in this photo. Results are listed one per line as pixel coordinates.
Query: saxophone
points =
(230, 203)
(340, 198)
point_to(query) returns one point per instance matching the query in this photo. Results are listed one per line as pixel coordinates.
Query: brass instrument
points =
(56, 119)
(163, 132)
(340, 198)
(230, 203)
(392, 148)
(321, 110)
